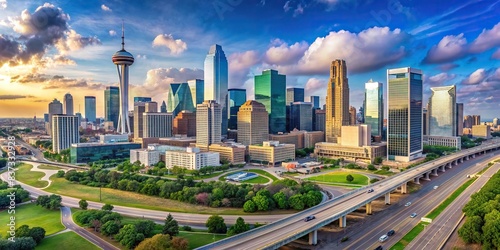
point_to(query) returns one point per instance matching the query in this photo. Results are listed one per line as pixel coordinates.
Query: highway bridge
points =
(65, 165)
(288, 229)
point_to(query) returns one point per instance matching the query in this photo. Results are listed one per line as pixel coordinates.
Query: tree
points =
(157, 242)
(239, 227)
(377, 160)
(24, 243)
(349, 178)
(110, 228)
(471, 231)
(37, 233)
(249, 206)
(296, 202)
(23, 231)
(216, 224)
(129, 237)
(371, 167)
(171, 227)
(83, 204)
(96, 224)
(145, 227)
(491, 230)
(50, 202)
(262, 202)
(179, 243)
(60, 174)
(107, 207)
(281, 200)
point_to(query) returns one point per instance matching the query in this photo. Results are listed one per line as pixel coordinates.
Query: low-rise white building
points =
(191, 159)
(145, 156)
(448, 141)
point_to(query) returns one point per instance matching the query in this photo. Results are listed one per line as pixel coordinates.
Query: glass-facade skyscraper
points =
(373, 109)
(112, 104)
(90, 112)
(236, 98)
(404, 122)
(197, 88)
(270, 90)
(294, 95)
(179, 98)
(301, 116)
(442, 111)
(141, 99)
(68, 104)
(315, 101)
(216, 81)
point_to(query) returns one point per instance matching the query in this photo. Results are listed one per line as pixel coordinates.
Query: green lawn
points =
(340, 177)
(34, 216)
(48, 167)
(200, 239)
(409, 236)
(68, 240)
(262, 172)
(32, 178)
(258, 180)
(384, 172)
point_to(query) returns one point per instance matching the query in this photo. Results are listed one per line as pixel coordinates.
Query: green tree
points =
(262, 202)
(216, 224)
(349, 178)
(171, 227)
(491, 230)
(249, 206)
(281, 200)
(110, 228)
(471, 231)
(239, 227)
(179, 243)
(23, 231)
(129, 237)
(83, 204)
(157, 242)
(377, 160)
(145, 227)
(371, 167)
(295, 202)
(37, 233)
(107, 207)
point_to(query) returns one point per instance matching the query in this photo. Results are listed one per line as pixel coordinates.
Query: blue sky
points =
(50, 48)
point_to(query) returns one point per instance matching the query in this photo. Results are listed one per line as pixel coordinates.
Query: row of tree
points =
(63, 156)
(21, 194)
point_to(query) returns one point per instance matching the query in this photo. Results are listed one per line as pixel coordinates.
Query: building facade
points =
(216, 81)
(236, 98)
(373, 110)
(90, 152)
(90, 108)
(481, 131)
(299, 138)
(301, 116)
(112, 105)
(64, 132)
(271, 153)
(55, 108)
(270, 90)
(185, 124)
(197, 89)
(68, 104)
(208, 122)
(163, 107)
(145, 156)
(141, 99)
(335, 151)
(448, 141)
(157, 124)
(442, 111)
(319, 120)
(232, 153)
(139, 109)
(337, 101)
(352, 116)
(460, 118)
(294, 95)
(253, 125)
(315, 101)
(192, 159)
(179, 98)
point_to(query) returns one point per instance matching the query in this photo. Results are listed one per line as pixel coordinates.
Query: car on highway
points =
(370, 190)
(391, 232)
(435, 187)
(310, 217)
(383, 238)
(407, 204)
(413, 215)
(379, 248)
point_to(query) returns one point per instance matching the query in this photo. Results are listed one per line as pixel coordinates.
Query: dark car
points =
(370, 190)
(310, 217)
(391, 233)
(379, 248)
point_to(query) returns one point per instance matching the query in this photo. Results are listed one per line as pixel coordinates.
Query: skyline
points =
(453, 43)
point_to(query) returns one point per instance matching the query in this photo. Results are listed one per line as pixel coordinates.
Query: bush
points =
(371, 167)
(386, 168)
(374, 180)
(187, 228)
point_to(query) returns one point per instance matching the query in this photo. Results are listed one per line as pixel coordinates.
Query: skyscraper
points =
(197, 88)
(157, 124)
(112, 105)
(123, 59)
(139, 109)
(55, 108)
(151, 107)
(236, 98)
(179, 98)
(442, 111)
(90, 111)
(270, 90)
(468, 121)
(141, 99)
(185, 124)
(404, 128)
(476, 120)
(68, 104)
(315, 101)
(253, 123)
(352, 115)
(216, 78)
(337, 101)
(425, 122)
(294, 95)
(163, 108)
(319, 120)
(301, 116)
(208, 122)
(460, 118)
(64, 131)
(374, 107)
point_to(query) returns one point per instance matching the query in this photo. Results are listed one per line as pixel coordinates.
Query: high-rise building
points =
(468, 121)
(197, 88)
(123, 59)
(460, 118)
(90, 110)
(253, 123)
(141, 99)
(476, 120)
(157, 124)
(360, 117)
(337, 101)
(139, 109)
(315, 101)
(151, 107)
(185, 124)
(46, 117)
(179, 98)
(270, 90)
(216, 81)
(442, 111)
(352, 115)
(301, 116)
(374, 107)
(163, 108)
(320, 120)
(55, 108)
(404, 128)
(495, 121)
(208, 122)
(64, 131)
(294, 95)
(425, 122)
(68, 104)
(236, 98)
(112, 104)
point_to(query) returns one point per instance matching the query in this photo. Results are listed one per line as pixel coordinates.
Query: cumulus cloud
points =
(486, 40)
(158, 80)
(283, 54)
(371, 49)
(476, 77)
(112, 33)
(176, 46)
(240, 65)
(105, 8)
(3, 4)
(439, 79)
(315, 86)
(75, 41)
(57, 82)
(496, 55)
(448, 66)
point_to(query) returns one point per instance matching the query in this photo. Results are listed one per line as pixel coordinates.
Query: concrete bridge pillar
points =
(448, 165)
(435, 172)
(369, 208)
(313, 238)
(456, 162)
(416, 180)
(460, 160)
(343, 221)
(404, 189)
(467, 158)
(442, 168)
(388, 197)
(474, 156)
(426, 176)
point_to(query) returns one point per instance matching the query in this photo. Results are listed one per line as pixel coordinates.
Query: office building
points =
(356, 135)
(151, 107)
(46, 117)
(442, 111)
(351, 153)
(253, 123)
(112, 105)
(141, 99)
(352, 116)
(179, 98)
(90, 109)
(460, 117)
(236, 98)
(208, 122)
(91, 152)
(157, 124)
(481, 131)
(447, 141)
(476, 120)
(294, 95)
(177, 141)
(139, 109)
(404, 129)
(55, 108)
(319, 120)
(113, 138)
(192, 159)
(270, 90)
(361, 114)
(271, 153)
(299, 138)
(145, 156)
(68, 104)
(468, 121)
(315, 101)
(216, 81)
(301, 116)
(425, 122)
(373, 108)
(337, 101)
(197, 89)
(163, 108)
(185, 124)
(233, 153)
(64, 132)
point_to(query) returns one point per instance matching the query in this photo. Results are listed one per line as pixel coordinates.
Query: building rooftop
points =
(98, 144)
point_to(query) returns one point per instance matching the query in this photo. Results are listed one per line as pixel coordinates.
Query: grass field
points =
(200, 239)
(69, 240)
(262, 172)
(34, 216)
(340, 177)
(48, 167)
(409, 236)
(450, 199)
(258, 180)
(32, 178)
(384, 172)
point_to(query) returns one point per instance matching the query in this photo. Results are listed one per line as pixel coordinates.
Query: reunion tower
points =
(123, 59)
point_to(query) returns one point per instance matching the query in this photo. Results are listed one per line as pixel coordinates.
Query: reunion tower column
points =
(122, 59)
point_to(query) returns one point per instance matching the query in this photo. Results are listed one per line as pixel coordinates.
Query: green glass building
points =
(90, 152)
(179, 99)
(373, 109)
(270, 90)
(112, 104)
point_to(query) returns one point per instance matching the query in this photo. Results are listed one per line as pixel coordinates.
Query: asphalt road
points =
(67, 221)
(438, 232)
(397, 216)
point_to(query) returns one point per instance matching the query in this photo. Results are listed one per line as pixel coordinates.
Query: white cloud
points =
(176, 46)
(315, 86)
(105, 8)
(112, 33)
(440, 79)
(486, 40)
(3, 4)
(448, 49)
(283, 54)
(240, 65)
(476, 77)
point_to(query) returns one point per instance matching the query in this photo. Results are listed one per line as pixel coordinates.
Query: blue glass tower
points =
(236, 98)
(216, 81)
(197, 88)
(294, 95)
(179, 98)
(90, 108)
(112, 104)
(270, 90)
(373, 110)
(314, 99)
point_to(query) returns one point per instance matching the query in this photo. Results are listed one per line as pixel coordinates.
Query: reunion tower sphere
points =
(122, 57)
